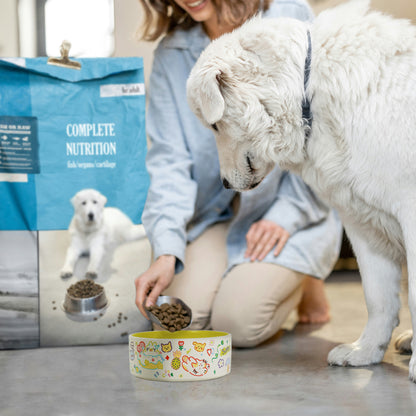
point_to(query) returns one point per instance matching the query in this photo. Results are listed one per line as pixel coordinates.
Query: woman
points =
(241, 262)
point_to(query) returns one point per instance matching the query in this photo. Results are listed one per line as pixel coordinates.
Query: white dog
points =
(96, 230)
(354, 71)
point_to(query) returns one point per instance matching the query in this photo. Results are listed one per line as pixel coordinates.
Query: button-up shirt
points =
(186, 194)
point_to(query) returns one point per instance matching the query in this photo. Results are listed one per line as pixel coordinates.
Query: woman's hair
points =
(164, 16)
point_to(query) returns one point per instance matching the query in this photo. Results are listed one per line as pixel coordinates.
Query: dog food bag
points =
(73, 184)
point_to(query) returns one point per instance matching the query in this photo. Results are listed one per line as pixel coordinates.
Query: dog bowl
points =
(170, 300)
(85, 306)
(180, 356)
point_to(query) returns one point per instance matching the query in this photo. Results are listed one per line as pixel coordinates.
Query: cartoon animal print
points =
(150, 356)
(166, 347)
(198, 346)
(195, 366)
(141, 346)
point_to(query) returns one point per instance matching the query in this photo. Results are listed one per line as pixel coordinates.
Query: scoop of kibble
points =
(84, 289)
(172, 317)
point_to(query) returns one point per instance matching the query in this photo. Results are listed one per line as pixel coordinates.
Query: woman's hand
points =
(154, 281)
(262, 236)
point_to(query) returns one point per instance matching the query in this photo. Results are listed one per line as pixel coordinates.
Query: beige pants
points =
(251, 302)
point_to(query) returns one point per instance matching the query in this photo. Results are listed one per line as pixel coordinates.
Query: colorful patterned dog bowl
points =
(180, 356)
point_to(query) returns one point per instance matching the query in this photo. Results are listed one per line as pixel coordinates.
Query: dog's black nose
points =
(90, 216)
(226, 183)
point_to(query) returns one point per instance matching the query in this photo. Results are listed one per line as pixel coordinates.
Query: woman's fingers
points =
(281, 243)
(154, 281)
(142, 288)
(263, 246)
(254, 234)
(262, 237)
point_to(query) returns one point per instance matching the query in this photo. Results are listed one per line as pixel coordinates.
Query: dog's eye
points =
(94, 202)
(214, 126)
(84, 202)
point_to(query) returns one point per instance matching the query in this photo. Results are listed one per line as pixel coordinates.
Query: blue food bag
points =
(63, 130)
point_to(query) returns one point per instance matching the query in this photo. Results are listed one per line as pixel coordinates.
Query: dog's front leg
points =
(73, 253)
(381, 283)
(97, 250)
(408, 224)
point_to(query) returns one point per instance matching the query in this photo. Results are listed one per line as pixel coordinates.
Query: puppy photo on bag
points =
(96, 231)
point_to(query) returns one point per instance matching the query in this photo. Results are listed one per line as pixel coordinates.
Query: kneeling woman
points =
(241, 262)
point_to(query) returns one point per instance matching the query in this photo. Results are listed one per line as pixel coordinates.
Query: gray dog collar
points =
(306, 105)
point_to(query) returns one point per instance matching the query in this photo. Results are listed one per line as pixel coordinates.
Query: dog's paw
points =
(65, 274)
(355, 355)
(412, 369)
(91, 275)
(403, 342)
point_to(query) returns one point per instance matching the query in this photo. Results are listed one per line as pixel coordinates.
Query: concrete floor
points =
(287, 375)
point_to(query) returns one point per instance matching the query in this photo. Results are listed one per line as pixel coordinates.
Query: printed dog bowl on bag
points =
(180, 356)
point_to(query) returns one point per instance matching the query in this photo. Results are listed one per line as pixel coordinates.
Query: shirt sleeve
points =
(296, 207)
(296, 9)
(172, 193)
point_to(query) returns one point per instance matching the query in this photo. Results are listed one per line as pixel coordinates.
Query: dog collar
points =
(306, 104)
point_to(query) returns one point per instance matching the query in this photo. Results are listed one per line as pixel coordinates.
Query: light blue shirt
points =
(186, 194)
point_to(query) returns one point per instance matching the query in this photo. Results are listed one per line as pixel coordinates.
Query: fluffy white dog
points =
(96, 230)
(354, 72)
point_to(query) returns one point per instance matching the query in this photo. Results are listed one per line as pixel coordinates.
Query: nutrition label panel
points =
(19, 144)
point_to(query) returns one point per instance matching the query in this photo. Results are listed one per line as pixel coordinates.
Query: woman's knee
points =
(250, 325)
(246, 331)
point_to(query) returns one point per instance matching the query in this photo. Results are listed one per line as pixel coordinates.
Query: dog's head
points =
(88, 206)
(247, 86)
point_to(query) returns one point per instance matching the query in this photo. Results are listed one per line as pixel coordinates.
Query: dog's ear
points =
(102, 199)
(204, 94)
(74, 200)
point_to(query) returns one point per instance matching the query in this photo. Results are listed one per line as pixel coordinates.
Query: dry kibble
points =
(84, 289)
(172, 317)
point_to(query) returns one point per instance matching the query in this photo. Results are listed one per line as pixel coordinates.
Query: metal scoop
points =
(171, 301)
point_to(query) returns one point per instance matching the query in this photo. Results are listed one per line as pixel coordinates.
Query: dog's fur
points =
(360, 156)
(96, 230)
